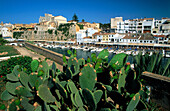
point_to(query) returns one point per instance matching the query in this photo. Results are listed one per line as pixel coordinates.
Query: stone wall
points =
(58, 58)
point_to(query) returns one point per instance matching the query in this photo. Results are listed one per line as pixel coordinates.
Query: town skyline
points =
(95, 11)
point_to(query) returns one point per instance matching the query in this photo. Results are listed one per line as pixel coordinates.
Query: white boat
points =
(128, 52)
(150, 53)
(77, 47)
(111, 51)
(119, 51)
(143, 52)
(64, 47)
(55, 46)
(86, 49)
(99, 49)
(135, 53)
(48, 46)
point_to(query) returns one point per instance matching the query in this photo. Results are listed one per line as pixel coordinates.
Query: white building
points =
(50, 18)
(146, 25)
(5, 32)
(85, 33)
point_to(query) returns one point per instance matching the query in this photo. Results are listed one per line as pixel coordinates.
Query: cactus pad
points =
(45, 94)
(119, 60)
(34, 65)
(87, 77)
(133, 103)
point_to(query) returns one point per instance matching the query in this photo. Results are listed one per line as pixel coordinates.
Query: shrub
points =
(153, 63)
(50, 31)
(2, 41)
(7, 66)
(10, 51)
(17, 34)
(95, 84)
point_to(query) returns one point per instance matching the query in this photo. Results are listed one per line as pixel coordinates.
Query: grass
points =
(11, 51)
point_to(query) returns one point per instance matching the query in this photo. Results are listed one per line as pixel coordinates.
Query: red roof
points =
(159, 35)
(87, 37)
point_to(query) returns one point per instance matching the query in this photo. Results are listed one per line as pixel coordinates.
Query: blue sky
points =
(29, 11)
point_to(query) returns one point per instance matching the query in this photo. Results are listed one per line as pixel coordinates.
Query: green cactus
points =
(54, 107)
(58, 94)
(2, 107)
(15, 70)
(69, 52)
(78, 99)
(6, 96)
(38, 82)
(119, 60)
(45, 94)
(12, 106)
(94, 57)
(105, 109)
(32, 79)
(97, 95)
(88, 60)
(121, 80)
(54, 67)
(11, 87)
(39, 108)
(72, 61)
(22, 91)
(72, 96)
(41, 72)
(12, 77)
(34, 65)
(45, 68)
(133, 103)
(17, 102)
(26, 105)
(72, 87)
(103, 55)
(81, 62)
(87, 75)
(166, 67)
(81, 109)
(89, 99)
(24, 79)
(64, 60)
(62, 90)
(69, 73)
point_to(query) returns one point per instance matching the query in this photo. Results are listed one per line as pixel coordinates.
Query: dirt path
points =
(25, 52)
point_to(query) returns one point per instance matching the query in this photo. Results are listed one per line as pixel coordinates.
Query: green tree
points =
(83, 20)
(81, 26)
(75, 18)
(50, 31)
(2, 41)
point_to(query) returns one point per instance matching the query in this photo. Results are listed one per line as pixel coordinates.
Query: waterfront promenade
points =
(25, 52)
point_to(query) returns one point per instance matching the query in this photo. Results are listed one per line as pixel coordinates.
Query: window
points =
(140, 41)
(150, 41)
(140, 23)
(154, 31)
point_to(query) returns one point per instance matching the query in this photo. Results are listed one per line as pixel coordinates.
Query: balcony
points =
(147, 28)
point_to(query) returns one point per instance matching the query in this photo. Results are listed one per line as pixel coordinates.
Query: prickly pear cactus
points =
(133, 103)
(121, 80)
(103, 54)
(34, 65)
(119, 60)
(89, 99)
(87, 77)
(45, 94)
